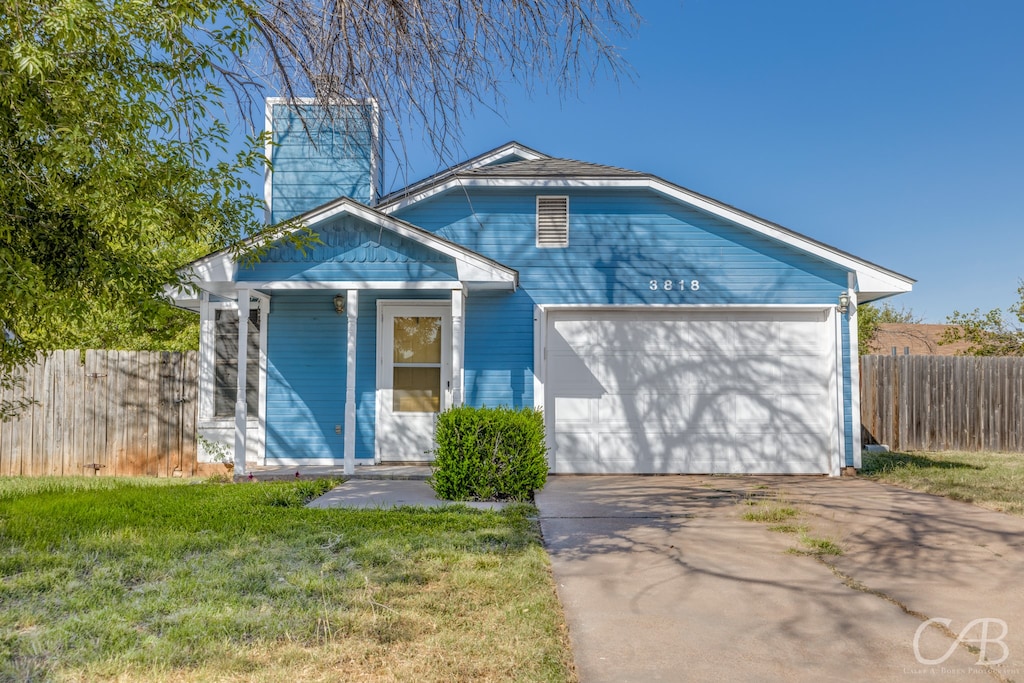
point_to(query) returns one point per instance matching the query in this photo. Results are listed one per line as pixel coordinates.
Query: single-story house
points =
(660, 330)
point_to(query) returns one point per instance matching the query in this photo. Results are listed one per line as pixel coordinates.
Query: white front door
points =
(413, 377)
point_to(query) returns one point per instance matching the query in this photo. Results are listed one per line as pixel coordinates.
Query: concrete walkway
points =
(662, 580)
(388, 493)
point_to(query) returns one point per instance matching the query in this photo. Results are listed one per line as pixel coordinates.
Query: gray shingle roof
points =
(551, 168)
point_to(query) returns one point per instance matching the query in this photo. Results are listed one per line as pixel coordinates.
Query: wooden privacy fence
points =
(943, 402)
(126, 413)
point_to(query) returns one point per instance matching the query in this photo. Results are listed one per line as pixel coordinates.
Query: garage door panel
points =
(570, 410)
(695, 391)
(801, 412)
(667, 413)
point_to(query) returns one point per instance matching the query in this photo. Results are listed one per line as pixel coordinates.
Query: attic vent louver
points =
(552, 221)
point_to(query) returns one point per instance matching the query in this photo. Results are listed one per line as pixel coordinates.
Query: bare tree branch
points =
(428, 62)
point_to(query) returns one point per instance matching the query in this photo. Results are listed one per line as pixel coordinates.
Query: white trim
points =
(206, 342)
(540, 373)
(348, 284)
(683, 307)
(840, 411)
(352, 311)
(241, 400)
(458, 315)
(268, 153)
(443, 306)
(870, 277)
(263, 303)
(537, 228)
(854, 361)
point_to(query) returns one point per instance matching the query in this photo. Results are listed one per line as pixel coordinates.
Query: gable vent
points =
(552, 221)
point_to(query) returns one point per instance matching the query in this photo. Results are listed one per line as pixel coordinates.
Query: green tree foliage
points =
(989, 334)
(115, 169)
(113, 136)
(869, 317)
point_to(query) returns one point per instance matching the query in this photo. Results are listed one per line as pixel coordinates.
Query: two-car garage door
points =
(696, 391)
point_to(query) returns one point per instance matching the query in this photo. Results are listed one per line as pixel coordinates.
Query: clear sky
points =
(892, 130)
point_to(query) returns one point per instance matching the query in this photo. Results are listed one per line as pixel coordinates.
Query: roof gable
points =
(347, 225)
(509, 153)
(547, 173)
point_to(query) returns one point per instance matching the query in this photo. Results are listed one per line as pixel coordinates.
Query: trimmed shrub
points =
(489, 454)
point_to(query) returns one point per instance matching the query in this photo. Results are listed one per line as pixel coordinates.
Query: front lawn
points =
(169, 580)
(991, 480)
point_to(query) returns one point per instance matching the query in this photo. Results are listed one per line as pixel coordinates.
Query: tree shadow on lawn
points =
(883, 462)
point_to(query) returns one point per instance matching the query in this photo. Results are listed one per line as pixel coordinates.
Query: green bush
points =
(489, 454)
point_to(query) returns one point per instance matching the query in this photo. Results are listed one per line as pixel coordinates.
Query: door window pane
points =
(416, 390)
(417, 339)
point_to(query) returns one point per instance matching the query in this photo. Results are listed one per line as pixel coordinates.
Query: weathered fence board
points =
(123, 413)
(943, 402)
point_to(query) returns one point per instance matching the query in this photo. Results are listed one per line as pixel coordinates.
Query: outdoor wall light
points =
(339, 303)
(844, 302)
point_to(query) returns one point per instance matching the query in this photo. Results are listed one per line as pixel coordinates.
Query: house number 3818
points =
(669, 285)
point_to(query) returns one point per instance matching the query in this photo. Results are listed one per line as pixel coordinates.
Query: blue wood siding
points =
(499, 349)
(324, 160)
(352, 250)
(620, 240)
(305, 377)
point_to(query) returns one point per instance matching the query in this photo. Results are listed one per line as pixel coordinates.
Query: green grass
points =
(168, 580)
(991, 480)
(770, 513)
(816, 546)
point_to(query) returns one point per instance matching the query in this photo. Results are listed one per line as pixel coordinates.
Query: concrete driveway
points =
(662, 580)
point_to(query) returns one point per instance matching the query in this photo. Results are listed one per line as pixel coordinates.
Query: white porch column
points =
(352, 311)
(458, 344)
(240, 397)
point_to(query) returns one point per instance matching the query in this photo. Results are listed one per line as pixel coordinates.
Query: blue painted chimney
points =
(319, 155)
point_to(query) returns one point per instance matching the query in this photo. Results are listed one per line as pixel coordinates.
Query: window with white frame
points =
(552, 221)
(225, 362)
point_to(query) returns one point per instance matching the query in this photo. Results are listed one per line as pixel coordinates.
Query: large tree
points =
(113, 133)
(989, 334)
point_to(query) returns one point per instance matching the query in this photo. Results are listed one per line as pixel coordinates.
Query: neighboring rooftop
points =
(917, 339)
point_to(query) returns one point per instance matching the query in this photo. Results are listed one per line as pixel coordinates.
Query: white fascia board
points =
(332, 285)
(870, 278)
(738, 308)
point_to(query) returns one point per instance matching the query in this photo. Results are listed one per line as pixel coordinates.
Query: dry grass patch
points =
(153, 581)
(990, 480)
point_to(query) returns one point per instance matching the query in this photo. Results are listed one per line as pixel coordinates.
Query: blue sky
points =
(891, 130)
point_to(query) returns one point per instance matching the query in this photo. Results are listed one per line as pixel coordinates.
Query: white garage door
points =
(691, 392)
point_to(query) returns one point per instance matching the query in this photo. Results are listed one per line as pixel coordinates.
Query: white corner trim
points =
(351, 340)
(855, 422)
(840, 411)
